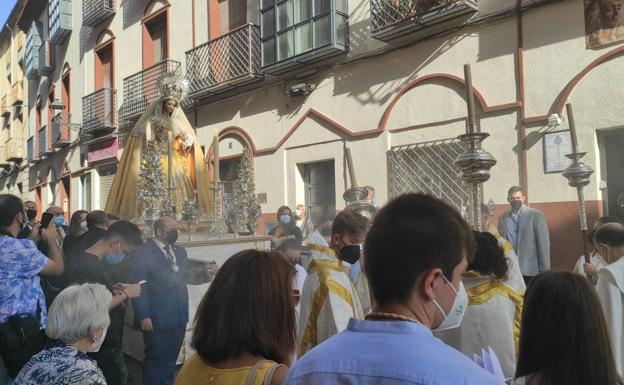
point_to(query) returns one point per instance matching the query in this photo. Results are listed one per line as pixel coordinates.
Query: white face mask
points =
(83, 226)
(97, 344)
(454, 318)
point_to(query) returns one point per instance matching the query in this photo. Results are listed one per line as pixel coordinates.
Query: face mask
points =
(516, 204)
(115, 258)
(83, 226)
(59, 220)
(31, 214)
(325, 231)
(350, 253)
(453, 319)
(97, 344)
(285, 219)
(171, 237)
(298, 213)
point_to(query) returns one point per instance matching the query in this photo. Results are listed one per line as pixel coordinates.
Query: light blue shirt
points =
(513, 227)
(388, 353)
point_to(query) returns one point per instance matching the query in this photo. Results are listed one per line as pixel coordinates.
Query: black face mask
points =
(350, 253)
(31, 214)
(171, 237)
(325, 231)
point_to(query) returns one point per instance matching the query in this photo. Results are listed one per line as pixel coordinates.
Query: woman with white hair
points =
(77, 323)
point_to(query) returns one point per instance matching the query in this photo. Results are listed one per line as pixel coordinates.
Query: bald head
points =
(55, 210)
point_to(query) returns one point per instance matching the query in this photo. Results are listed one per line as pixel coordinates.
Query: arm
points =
(543, 243)
(55, 265)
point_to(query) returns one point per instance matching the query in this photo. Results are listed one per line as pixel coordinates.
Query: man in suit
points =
(31, 214)
(162, 309)
(527, 231)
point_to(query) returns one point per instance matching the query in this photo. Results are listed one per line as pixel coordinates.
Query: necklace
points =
(392, 316)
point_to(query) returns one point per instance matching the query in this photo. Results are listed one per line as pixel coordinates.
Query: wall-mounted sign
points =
(556, 146)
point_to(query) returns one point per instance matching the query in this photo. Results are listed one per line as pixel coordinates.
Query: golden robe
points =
(188, 172)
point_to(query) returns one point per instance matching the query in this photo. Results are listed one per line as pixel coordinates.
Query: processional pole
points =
(474, 163)
(578, 174)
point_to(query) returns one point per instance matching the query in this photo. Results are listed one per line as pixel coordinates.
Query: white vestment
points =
(328, 300)
(491, 319)
(610, 288)
(595, 260)
(514, 275)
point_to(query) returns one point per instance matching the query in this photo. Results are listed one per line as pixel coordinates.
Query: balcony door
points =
(104, 70)
(155, 40)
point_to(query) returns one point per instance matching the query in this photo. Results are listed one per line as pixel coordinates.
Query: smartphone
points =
(142, 282)
(46, 218)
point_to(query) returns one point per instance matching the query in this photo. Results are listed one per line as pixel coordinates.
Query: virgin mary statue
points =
(189, 175)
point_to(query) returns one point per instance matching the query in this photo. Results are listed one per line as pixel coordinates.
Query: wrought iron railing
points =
(34, 39)
(141, 88)
(394, 18)
(96, 11)
(33, 156)
(99, 111)
(61, 130)
(46, 58)
(60, 15)
(230, 60)
(42, 140)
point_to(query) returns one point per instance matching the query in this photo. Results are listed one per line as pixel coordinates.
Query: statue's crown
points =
(173, 86)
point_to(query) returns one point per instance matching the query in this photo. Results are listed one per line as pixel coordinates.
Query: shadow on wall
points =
(132, 12)
(566, 240)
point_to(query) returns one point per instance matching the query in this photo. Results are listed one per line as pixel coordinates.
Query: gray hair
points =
(78, 311)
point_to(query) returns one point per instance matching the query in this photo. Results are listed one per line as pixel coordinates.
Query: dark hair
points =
(10, 206)
(410, 235)
(281, 210)
(608, 219)
(74, 222)
(289, 244)
(514, 189)
(127, 231)
(610, 235)
(248, 309)
(564, 335)
(112, 217)
(328, 217)
(96, 218)
(349, 222)
(160, 223)
(489, 257)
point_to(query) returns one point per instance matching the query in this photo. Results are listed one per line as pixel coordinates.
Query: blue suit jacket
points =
(164, 297)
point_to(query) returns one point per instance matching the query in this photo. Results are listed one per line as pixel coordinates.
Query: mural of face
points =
(609, 13)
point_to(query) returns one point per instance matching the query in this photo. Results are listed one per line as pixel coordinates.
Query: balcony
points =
(15, 149)
(298, 33)
(60, 15)
(44, 142)
(61, 130)
(33, 155)
(96, 11)
(46, 58)
(227, 62)
(392, 19)
(4, 162)
(17, 93)
(5, 111)
(34, 40)
(99, 112)
(141, 88)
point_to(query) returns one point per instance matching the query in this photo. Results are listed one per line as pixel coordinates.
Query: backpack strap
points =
(268, 377)
(253, 372)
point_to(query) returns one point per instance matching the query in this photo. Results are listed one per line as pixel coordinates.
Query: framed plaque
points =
(557, 145)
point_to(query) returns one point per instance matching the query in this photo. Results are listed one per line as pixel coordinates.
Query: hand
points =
(146, 325)
(34, 233)
(132, 291)
(50, 233)
(590, 270)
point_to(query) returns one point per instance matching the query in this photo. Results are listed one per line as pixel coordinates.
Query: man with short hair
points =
(123, 237)
(527, 231)
(329, 298)
(415, 255)
(97, 222)
(162, 309)
(31, 215)
(596, 261)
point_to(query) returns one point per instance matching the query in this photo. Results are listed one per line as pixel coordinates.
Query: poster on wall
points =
(604, 22)
(557, 145)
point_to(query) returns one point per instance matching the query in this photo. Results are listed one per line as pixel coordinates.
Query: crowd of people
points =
(411, 296)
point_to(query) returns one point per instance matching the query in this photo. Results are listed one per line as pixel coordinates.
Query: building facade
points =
(297, 81)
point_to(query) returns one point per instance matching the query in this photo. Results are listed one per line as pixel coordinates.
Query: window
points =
(85, 189)
(294, 27)
(155, 40)
(104, 71)
(320, 190)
